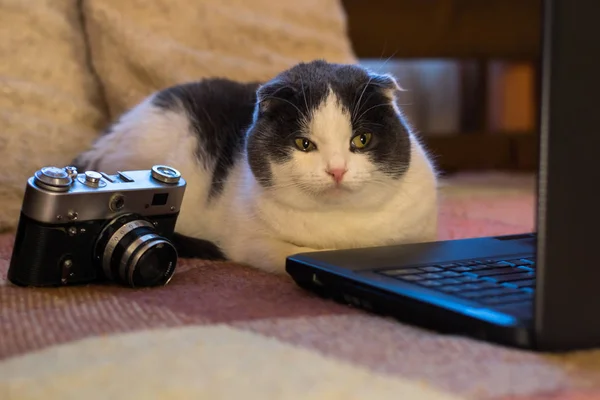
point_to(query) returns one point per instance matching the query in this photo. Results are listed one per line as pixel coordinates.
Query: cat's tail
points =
(189, 247)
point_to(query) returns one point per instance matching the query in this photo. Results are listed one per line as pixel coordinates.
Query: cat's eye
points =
(361, 141)
(304, 144)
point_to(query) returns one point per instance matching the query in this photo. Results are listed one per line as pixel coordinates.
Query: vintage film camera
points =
(77, 228)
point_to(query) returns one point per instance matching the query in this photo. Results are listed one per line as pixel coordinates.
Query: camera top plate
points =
(62, 195)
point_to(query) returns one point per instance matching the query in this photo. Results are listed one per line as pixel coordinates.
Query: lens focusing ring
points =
(134, 247)
(115, 239)
(142, 251)
(131, 252)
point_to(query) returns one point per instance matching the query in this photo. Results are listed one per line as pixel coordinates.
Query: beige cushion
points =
(141, 46)
(49, 103)
(53, 102)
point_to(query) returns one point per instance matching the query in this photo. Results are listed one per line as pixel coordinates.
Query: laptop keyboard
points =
(505, 284)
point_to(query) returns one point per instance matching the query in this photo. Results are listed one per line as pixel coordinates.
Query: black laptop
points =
(538, 291)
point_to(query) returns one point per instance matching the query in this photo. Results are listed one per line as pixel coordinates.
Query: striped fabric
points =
(224, 331)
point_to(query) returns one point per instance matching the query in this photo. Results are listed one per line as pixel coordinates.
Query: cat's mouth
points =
(337, 189)
(333, 190)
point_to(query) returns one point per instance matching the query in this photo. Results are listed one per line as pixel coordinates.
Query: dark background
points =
(490, 50)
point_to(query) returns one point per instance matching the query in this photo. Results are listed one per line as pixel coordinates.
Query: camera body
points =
(78, 228)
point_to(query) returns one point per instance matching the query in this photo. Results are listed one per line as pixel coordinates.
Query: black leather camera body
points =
(78, 228)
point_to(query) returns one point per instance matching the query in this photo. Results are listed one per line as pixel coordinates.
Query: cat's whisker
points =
(359, 108)
(363, 124)
(304, 94)
(384, 63)
(379, 71)
(277, 90)
(285, 101)
(371, 108)
(359, 99)
(292, 134)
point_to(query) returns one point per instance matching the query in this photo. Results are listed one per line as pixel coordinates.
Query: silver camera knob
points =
(91, 179)
(165, 174)
(72, 171)
(53, 178)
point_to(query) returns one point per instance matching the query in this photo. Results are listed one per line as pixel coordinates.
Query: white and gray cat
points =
(318, 158)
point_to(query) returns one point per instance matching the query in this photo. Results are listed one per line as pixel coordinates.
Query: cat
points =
(318, 158)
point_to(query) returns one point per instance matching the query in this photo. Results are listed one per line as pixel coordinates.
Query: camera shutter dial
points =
(165, 174)
(91, 179)
(53, 178)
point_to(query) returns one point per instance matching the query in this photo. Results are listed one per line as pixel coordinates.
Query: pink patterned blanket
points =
(220, 330)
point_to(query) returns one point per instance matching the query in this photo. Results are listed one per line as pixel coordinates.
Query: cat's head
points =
(328, 133)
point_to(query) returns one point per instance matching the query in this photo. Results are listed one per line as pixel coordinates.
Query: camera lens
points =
(130, 251)
(150, 270)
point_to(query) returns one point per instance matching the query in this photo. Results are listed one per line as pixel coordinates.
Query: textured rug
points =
(223, 331)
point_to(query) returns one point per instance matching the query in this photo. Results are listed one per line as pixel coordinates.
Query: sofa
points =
(220, 330)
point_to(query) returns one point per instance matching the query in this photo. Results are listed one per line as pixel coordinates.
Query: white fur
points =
(261, 227)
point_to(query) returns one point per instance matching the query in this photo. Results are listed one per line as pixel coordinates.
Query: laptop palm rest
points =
(423, 253)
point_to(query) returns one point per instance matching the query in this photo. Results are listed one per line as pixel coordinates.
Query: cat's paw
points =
(268, 254)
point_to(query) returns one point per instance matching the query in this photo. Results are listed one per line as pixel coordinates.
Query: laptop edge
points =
(568, 274)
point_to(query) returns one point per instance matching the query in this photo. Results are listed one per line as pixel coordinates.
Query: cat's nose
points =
(337, 174)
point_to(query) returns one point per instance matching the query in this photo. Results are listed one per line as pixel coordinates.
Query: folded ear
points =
(273, 92)
(385, 82)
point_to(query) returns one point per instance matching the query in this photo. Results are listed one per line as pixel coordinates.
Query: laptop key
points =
(445, 266)
(450, 288)
(432, 275)
(450, 274)
(496, 271)
(477, 286)
(511, 277)
(400, 271)
(412, 278)
(525, 283)
(467, 263)
(461, 269)
(476, 262)
(500, 264)
(528, 261)
(469, 286)
(467, 278)
(431, 269)
(519, 263)
(429, 283)
(449, 281)
(490, 266)
(528, 268)
(486, 284)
